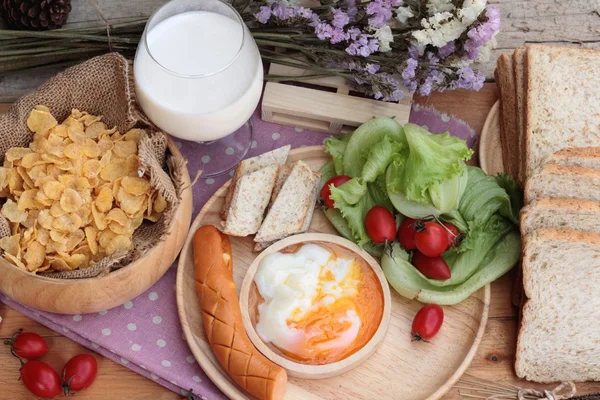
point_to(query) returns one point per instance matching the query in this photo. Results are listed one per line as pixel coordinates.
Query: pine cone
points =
(35, 14)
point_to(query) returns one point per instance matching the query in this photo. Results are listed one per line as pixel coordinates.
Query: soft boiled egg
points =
(320, 302)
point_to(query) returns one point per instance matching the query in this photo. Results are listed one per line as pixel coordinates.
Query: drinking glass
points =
(198, 76)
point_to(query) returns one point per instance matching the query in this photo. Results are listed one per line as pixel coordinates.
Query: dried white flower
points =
(440, 36)
(385, 37)
(403, 14)
(436, 6)
(470, 11)
(486, 50)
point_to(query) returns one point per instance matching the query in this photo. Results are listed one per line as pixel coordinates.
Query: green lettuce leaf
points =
(378, 193)
(354, 214)
(379, 158)
(512, 208)
(336, 146)
(364, 138)
(482, 198)
(327, 172)
(432, 161)
(409, 282)
(350, 192)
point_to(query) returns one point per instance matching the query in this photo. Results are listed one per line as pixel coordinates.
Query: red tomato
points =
(380, 224)
(427, 322)
(431, 239)
(28, 345)
(406, 233)
(79, 373)
(432, 267)
(454, 235)
(41, 379)
(326, 189)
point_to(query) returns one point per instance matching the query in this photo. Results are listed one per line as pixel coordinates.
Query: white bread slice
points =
(250, 199)
(562, 101)
(509, 137)
(259, 246)
(278, 156)
(549, 212)
(559, 338)
(555, 180)
(586, 157)
(520, 83)
(292, 206)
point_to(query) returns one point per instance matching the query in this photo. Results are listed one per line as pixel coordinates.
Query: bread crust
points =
(509, 138)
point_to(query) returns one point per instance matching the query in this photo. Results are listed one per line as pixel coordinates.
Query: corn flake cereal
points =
(75, 195)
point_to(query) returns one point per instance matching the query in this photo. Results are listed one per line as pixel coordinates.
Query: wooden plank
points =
(573, 22)
(12, 321)
(313, 104)
(114, 380)
(495, 359)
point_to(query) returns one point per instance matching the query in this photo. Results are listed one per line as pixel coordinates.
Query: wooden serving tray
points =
(399, 369)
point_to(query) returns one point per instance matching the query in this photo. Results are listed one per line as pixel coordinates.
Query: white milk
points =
(192, 44)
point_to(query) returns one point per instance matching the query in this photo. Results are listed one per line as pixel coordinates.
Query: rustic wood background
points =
(560, 22)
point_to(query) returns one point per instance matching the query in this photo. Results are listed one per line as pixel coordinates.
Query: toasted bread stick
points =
(222, 319)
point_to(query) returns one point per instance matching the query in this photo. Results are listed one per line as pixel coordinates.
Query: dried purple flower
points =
(468, 79)
(263, 14)
(351, 8)
(363, 45)
(379, 12)
(434, 80)
(372, 68)
(447, 50)
(340, 18)
(483, 33)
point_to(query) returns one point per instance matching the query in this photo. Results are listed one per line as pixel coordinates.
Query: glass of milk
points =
(199, 77)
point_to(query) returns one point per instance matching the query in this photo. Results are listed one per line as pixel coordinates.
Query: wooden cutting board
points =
(409, 370)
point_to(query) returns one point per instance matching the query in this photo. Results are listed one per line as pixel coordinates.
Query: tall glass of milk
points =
(198, 75)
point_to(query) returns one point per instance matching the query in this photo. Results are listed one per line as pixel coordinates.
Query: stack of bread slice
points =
(550, 118)
(270, 198)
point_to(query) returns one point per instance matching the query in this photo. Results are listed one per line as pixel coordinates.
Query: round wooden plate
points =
(490, 153)
(399, 369)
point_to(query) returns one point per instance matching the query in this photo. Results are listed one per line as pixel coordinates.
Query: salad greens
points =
(417, 174)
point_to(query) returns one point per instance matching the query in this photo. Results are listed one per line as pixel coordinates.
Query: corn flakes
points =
(75, 195)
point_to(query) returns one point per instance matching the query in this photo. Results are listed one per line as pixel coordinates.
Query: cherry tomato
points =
(28, 345)
(454, 235)
(432, 267)
(427, 322)
(326, 190)
(41, 379)
(406, 233)
(79, 373)
(431, 239)
(380, 225)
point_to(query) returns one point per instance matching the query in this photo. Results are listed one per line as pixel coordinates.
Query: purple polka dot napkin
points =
(144, 334)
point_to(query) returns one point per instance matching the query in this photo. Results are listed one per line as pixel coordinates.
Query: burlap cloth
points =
(103, 86)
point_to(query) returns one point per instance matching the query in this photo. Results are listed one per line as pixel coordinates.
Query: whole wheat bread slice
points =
(520, 98)
(555, 180)
(586, 157)
(292, 206)
(250, 199)
(549, 212)
(562, 101)
(278, 156)
(259, 246)
(509, 138)
(282, 175)
(559, 338)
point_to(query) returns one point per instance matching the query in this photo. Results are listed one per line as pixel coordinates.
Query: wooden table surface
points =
(562, 23)
(493, 361)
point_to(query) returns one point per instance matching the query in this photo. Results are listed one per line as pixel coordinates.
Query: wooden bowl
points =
(79, 296)
(248, 300)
